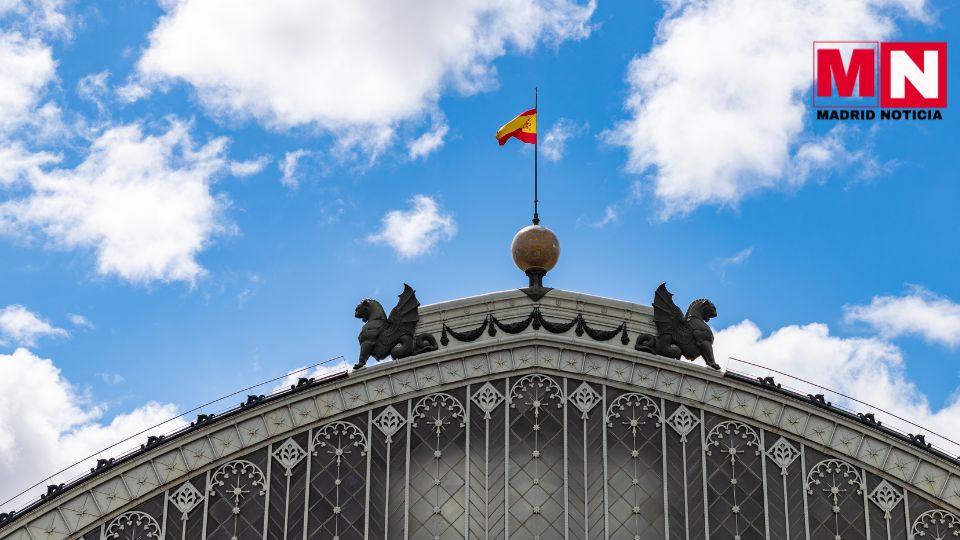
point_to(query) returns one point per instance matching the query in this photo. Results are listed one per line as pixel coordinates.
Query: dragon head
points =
(369, 309)
(703, 309)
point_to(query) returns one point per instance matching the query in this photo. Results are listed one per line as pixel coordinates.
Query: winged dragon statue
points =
(678, 334)
(393, 336)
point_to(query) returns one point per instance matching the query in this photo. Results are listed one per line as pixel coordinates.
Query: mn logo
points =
(869, 74)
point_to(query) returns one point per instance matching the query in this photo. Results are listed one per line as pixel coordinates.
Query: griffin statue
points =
(678, 335)
(393, 336)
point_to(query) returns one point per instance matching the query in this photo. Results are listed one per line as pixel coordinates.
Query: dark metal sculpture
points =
(393, 336)
(677, 335)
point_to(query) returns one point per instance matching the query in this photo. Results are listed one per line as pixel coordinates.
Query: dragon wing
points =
(403, 318)
(666, 315)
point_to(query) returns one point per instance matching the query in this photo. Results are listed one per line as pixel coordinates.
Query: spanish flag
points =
(523, 127)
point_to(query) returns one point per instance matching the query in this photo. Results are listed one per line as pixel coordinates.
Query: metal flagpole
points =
(536, 201)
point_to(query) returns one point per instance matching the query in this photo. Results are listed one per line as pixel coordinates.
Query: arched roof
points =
(583, 345)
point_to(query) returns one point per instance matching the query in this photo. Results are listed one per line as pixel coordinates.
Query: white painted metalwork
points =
(683, 421)
(783, 454)
(827, 478)
(736, 436)
(936, 524)
(886, 497)
(133, 525)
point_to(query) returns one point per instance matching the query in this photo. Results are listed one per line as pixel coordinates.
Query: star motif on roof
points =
(619, 371)
(429, 378)
(793, 420)
(767, 412)
(380, 390)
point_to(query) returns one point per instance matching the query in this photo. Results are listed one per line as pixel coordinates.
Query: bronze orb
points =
(535, 248)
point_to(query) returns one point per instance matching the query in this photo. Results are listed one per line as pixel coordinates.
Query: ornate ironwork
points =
(782, 453)
(683, 421)
(937, 524)
(389, 422)
(584, 398)
(488, 399)
(133, 525)
(289, 454)
(886, 497)
(185, 499)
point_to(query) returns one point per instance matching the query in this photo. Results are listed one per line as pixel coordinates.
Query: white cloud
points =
(46, 424)
(740, 257)
(21, 326)
(917, 312)
(36, 16)
(250, 167)
(93, 88)
(867, 369)
(413, 232)
(718, 105)
(26, 66)
(288, 166)
(554, 143)
(429, 142)
(80, 321)
(610, 215)
(142, 202)
(344, 66)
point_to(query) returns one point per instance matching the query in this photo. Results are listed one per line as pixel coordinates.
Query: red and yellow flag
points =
(523, 127)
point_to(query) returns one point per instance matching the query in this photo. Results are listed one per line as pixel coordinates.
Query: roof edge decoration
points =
(485, 338)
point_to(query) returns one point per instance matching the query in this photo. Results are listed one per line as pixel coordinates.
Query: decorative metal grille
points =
(133, 525)
(734, 482)
(337, 497)
(238, 482)
(837, 482)
(936, 525)
(635, 467)
(523, 458)
(437, 468)
(536, 483)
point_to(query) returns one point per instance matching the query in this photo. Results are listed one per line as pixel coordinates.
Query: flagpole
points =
(536, 201)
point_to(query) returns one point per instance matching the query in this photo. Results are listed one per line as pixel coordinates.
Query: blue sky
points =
(144, 190)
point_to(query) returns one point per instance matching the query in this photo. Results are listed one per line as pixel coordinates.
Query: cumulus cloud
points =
(46, 424)
(554, 142)
(413, 232)
(288, 166)
(718, 104)
(429, 142)
(21, 326)
(141, 202)
(918, 312)
(344, 66)
(868, 369)
(26, 66)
